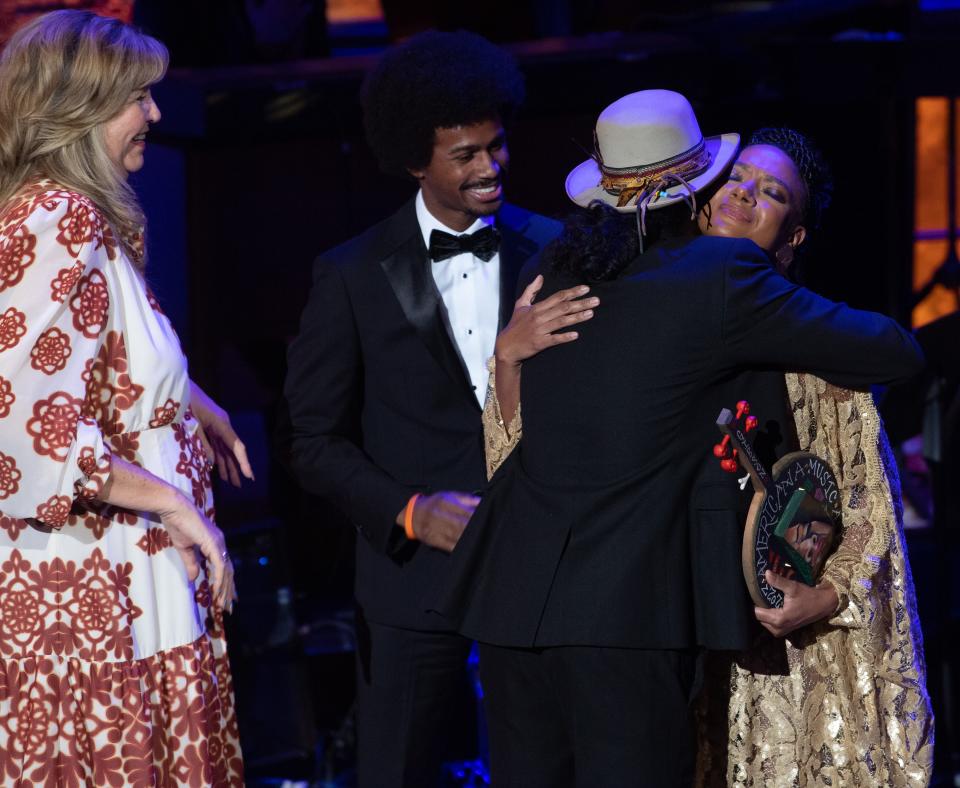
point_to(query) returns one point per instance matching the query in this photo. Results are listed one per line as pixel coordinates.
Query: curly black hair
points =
(810, 164)
(599, 242)
(434, 81)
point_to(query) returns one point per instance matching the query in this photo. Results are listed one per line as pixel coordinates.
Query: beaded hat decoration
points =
(648, 144)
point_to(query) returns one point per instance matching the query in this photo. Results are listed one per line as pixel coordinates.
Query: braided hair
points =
(810, 164)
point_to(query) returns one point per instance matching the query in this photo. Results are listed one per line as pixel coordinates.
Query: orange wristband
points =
(408, 517)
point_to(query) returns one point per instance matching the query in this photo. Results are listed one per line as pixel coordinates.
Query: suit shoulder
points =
(710, 250)
(720, 245)
(533, 225)
(374, 243)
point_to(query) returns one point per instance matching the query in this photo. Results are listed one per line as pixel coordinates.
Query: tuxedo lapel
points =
(407, 268)
(408, 271)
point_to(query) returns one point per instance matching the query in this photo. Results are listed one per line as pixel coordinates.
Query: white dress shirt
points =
(470, 289)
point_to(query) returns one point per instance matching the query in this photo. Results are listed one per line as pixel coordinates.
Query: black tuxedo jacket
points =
(582, 538)
(380, 405)
(723, 610)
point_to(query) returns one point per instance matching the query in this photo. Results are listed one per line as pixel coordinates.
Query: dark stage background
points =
(259, 164)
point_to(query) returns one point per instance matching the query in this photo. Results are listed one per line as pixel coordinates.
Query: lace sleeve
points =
(498, 438)
(837, 424)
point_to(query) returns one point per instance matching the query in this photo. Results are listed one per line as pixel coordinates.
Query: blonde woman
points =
(113, 577)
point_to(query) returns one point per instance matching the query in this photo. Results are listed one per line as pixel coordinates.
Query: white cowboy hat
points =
(647, 138)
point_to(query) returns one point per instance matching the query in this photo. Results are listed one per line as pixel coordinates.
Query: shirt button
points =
(469, 330)
(464, 276)
(474, 388)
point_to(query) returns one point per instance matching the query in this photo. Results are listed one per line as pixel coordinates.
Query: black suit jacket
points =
(380, 405)
(723, 610)
(582, 537)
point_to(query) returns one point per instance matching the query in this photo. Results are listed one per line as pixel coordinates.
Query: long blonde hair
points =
(62, 77)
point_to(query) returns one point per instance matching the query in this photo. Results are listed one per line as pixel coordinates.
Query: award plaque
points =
(794, 516)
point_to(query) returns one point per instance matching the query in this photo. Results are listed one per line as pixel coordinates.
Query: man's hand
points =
(439, 519)
(535, 327)
(802, 605)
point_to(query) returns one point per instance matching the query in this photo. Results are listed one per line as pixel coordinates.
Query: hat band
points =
(625, 183)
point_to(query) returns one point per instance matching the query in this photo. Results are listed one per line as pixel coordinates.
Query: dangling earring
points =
(784, 258)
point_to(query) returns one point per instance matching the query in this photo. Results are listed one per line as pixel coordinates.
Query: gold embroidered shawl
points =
(843, 701)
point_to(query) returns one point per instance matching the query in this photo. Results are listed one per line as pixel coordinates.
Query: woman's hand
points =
(535, 327)
(131, 487)
(190, 531)
(223, 446)
(802, 605)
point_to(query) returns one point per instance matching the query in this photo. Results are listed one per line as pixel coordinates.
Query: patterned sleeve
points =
(54, 305)
(844, 427)
(498, 438)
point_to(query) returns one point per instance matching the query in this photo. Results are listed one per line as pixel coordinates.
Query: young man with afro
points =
(387, 377)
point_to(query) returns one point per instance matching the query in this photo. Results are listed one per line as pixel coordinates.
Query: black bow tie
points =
(483, 244)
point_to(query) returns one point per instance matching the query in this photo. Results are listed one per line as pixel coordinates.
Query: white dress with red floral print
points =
(113, 670)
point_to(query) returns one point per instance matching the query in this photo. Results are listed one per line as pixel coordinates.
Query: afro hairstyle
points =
(434, 81)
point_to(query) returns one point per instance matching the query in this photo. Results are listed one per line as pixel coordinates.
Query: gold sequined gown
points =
(841, 702)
